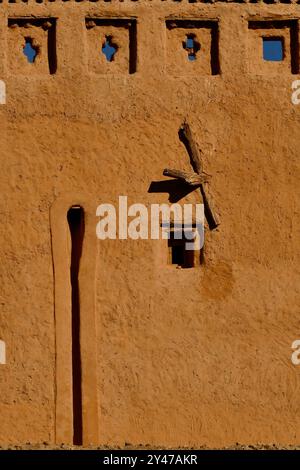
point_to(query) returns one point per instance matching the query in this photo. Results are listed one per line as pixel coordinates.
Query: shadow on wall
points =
(176, 189)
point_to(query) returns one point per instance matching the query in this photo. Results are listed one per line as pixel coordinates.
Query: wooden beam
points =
(196, 162)
(192, 148)
(192, 179)
(209, 212)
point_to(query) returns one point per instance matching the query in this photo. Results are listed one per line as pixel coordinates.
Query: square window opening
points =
(273, 49)
(179, 255)
(274, 42)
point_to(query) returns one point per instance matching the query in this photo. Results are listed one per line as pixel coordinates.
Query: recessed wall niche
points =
(32, 46)
(192, 47)
(112, 47)
(179, 256)
(266, 34)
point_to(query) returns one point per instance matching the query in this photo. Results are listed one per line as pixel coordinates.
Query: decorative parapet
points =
(3, 2)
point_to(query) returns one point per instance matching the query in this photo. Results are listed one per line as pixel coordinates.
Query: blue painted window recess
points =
(191, 46)
(273, 50)
(109, 49)
(29, 51)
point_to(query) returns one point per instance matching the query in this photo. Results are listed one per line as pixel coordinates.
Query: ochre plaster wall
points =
(171, 357)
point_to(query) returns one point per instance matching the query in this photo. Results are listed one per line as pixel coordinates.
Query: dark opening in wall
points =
(75, 219)
(180, 255)
(177, 253)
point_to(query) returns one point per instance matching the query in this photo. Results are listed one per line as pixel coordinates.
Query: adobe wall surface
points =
(171, 357)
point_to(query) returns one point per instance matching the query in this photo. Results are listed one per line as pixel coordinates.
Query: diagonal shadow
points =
(176, 189)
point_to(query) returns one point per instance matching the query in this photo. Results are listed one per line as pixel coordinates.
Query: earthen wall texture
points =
(170, 357)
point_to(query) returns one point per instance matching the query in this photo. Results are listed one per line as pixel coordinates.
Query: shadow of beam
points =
(176, 189)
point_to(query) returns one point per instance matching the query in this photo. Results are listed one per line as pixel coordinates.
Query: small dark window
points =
(273, 49)
(75, 217)
(178, 254)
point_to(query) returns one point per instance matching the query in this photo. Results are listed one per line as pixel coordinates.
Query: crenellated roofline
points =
(37, 2)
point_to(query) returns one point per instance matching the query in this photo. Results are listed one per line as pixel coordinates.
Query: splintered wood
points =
(193, 179)
(198, 178)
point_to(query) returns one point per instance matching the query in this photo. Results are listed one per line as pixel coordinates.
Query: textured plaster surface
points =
(195, 357)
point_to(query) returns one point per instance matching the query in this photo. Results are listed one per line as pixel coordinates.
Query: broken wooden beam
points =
(209, 212)
(192, 148)
(193, 179)
(196, 162)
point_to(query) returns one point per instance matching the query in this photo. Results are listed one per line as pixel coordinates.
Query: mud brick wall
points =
(169, 357)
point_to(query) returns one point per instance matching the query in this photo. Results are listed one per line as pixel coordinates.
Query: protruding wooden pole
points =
(192, 148)
(196, 162)
(193, 179)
